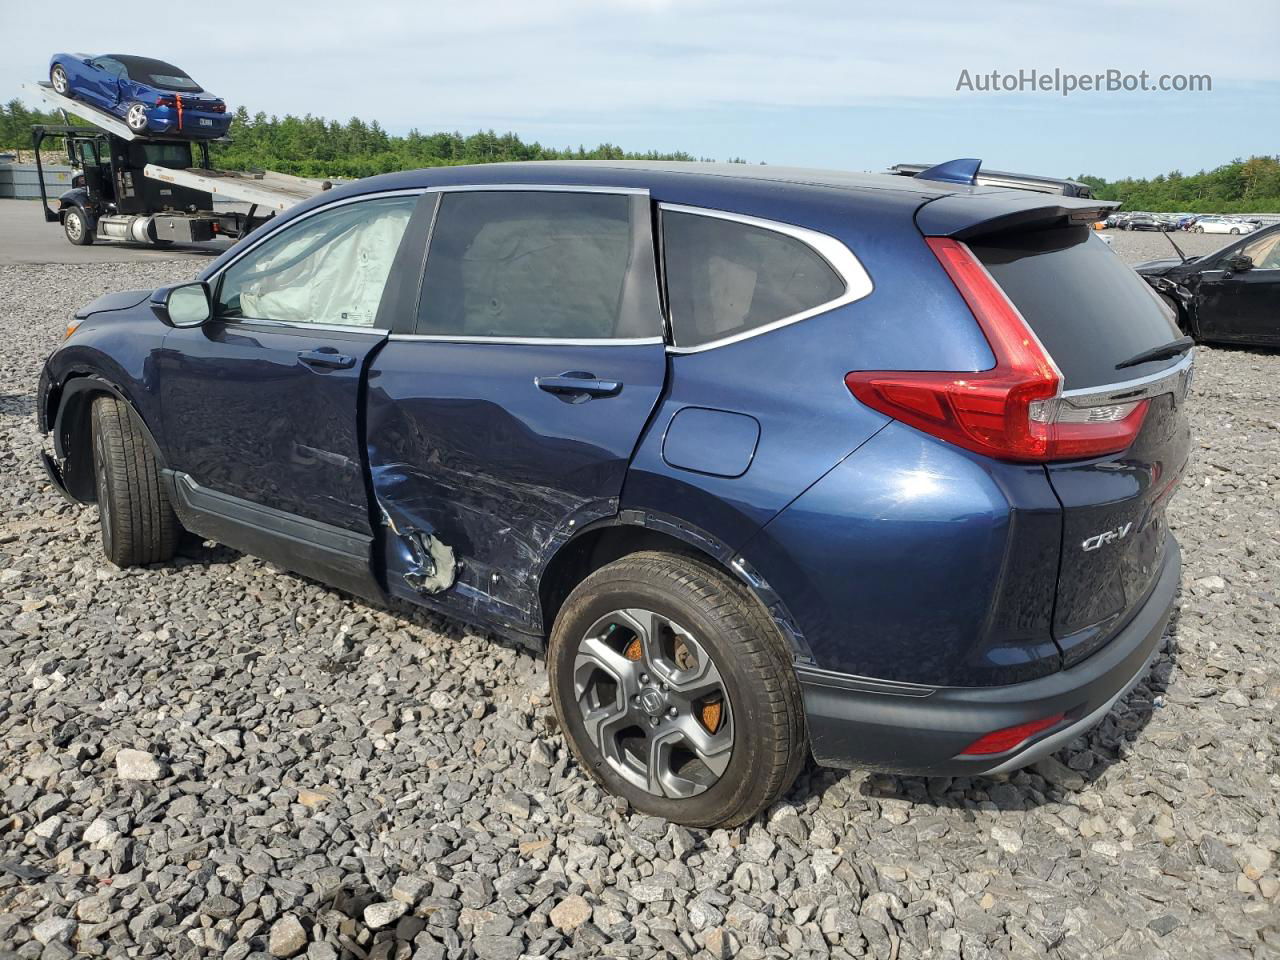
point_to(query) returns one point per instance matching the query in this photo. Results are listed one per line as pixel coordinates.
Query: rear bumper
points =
(903, 728)
(194, 123)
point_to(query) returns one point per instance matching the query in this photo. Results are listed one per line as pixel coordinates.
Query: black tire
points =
(76, 226)
(58, 79)
(137, 520)
(1235, 231)
(769, 744)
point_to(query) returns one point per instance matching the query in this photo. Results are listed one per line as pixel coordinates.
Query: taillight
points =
(1014, 410)
(166, 101)
(1002, 741)
(219, 107)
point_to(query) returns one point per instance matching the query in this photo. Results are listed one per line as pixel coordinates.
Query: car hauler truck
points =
(153, 190)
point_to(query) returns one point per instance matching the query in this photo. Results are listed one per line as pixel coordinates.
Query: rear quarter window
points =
(1089, 309)
(726, 278)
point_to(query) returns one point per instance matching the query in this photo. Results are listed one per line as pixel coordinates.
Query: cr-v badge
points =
(1107, 536)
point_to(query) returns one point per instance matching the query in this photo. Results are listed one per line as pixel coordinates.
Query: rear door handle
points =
(327, 358)
(578, 383)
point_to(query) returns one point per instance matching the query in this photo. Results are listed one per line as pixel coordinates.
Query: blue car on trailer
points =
(771, 462)
(152, 97)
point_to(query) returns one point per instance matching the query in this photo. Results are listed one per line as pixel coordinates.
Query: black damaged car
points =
(1229, 296)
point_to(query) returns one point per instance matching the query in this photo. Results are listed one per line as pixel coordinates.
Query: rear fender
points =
(651, 529)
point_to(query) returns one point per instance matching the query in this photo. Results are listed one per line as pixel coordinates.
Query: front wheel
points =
(137, 520)
(675, 690)
(76, 226)
(136, 117)
(1235, 232)
(59, 81)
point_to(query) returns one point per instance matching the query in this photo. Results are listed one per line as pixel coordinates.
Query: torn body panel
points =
(466, 452)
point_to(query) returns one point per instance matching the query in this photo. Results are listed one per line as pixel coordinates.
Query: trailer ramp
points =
(269, 190)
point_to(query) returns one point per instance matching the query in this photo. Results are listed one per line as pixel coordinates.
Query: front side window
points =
(1264, 252)
(725, 277)
(329, 268)
(527, 264)
(113, 67)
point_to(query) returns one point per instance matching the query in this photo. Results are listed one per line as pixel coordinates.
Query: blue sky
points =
(831, 84)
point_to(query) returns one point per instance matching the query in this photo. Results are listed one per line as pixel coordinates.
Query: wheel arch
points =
(632, 531)
(68, 413)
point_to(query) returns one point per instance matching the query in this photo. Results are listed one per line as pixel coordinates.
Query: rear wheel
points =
(136, 117)
(137, 520)
(676, 691)
(76, 226)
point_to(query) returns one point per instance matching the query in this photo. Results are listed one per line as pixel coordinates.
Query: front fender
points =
(65, 412)
(1183, 298)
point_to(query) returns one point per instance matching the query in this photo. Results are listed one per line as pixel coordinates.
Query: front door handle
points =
(327, 358)
(575, 383)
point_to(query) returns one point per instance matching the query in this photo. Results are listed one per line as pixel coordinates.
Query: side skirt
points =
(332, 555)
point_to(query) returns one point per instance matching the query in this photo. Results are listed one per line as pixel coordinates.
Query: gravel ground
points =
(1136, 246)
(216, 758)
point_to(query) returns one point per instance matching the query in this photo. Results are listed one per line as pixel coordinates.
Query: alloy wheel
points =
(654, 703)
(58, 77)
(136, 117)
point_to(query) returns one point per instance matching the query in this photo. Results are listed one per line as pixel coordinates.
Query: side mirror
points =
(1239, 262)
(186, 306)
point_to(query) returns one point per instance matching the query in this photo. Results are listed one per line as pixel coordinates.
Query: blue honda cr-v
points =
(775, 461)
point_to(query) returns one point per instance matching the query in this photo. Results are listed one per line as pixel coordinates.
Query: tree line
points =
(312, 146)
(1241, 186)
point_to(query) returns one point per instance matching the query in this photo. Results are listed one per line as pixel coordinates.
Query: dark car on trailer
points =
(1229, 296)
(771, 462)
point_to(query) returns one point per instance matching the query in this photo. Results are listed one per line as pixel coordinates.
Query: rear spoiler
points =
(964, 215)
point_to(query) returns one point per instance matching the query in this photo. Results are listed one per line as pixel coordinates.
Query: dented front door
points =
(508, 419)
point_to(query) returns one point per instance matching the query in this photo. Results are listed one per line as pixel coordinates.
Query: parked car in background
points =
(1229, 296)
(152, 97)
(770, 462)
(1143, 221)
(1227, 225)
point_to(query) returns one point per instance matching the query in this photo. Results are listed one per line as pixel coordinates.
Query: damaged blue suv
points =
(770, 462)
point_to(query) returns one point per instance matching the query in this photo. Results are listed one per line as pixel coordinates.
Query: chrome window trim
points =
(539, 341)
(543, 187)
(1175, 380)
(840, 258)
(379, 332)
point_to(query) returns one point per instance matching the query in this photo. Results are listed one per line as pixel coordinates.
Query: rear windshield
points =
(1089, 309)
(157, 73)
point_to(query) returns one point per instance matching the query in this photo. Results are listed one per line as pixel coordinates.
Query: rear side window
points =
(726, 278)
(1087, 307)
(527, 264)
